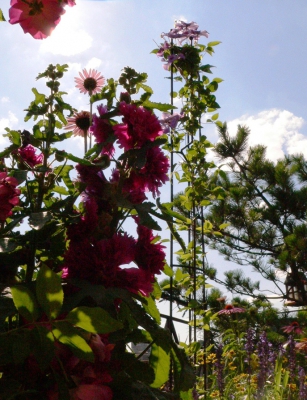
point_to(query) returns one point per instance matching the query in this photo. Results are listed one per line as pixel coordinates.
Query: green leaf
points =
(39, 97)
(63, 172)
(42, 344)
(25, 302)
(152, 309)
(21, 346)
(1, 16)
(159, 360)
(49, 291)
(93, 319)
(158, 106)
(146, 88)
(68, 335)
(168, 270)
(39, 219)
(215, 43)
(214, 117)
(60, 190)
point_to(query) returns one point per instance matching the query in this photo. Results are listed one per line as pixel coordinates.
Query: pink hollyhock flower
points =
(136, 280)
(139, 125)
(132, 186)
(9, 195)
(28, 154)
(103, 131)
(148, 255)
(37, 17)
(89, 82)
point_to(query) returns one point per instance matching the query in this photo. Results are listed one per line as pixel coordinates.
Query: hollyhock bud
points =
(8, 195)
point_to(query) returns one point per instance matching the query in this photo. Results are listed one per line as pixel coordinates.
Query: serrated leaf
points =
(146, 88)
(69, 336)
(39, 219)
(215, 43)
(152, 309)
(49, 291)
(93, 319)
(63, 172)
(158, 106)
(159, 360)
(39, 97)
(168, 270)
(25, 302)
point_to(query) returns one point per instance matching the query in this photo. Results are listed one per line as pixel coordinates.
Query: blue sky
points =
(262, 59)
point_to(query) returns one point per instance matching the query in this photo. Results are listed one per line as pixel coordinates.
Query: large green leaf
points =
(25, 302)
(158, 106)
(93, 319)
(49, 291)
(68, 335)
(152, 309)
(42, 344)
(159, 360)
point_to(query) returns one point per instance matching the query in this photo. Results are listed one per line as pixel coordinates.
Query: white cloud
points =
(68, 39)
(7, 122)
(278, 130)
(5, 100)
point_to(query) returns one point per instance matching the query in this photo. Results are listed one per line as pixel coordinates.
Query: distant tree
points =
(264, 207)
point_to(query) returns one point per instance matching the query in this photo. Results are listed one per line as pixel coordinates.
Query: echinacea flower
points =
(79, 123)
(230, 309)
(90, 81)
(37, 17)
(9, 195)
(294, 327)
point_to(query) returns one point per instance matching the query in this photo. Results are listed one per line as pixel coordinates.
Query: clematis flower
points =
(185, 31)
(171, 58)
(294, 327)
(9, 195)
(37, 17)
(28, 154)
(169, 121)
(90, 81)
(79, 123)
(230, 309)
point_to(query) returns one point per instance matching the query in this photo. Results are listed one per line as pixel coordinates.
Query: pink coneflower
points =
(230, 309)
(79, 123)
(294, 327)
(90, 82)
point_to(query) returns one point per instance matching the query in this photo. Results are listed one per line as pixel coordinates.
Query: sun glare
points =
(67, 38)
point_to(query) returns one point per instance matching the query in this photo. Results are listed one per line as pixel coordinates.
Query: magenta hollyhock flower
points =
(230, 309)
(91, 391)
(28, 154)
(139, 125)
(294, 327)
(90, 81)
(136, 280)
(103, 131)
(154, 172)
(79, 123)
(37, 17)
(132, 187)
(149, 256)
(9, 195)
